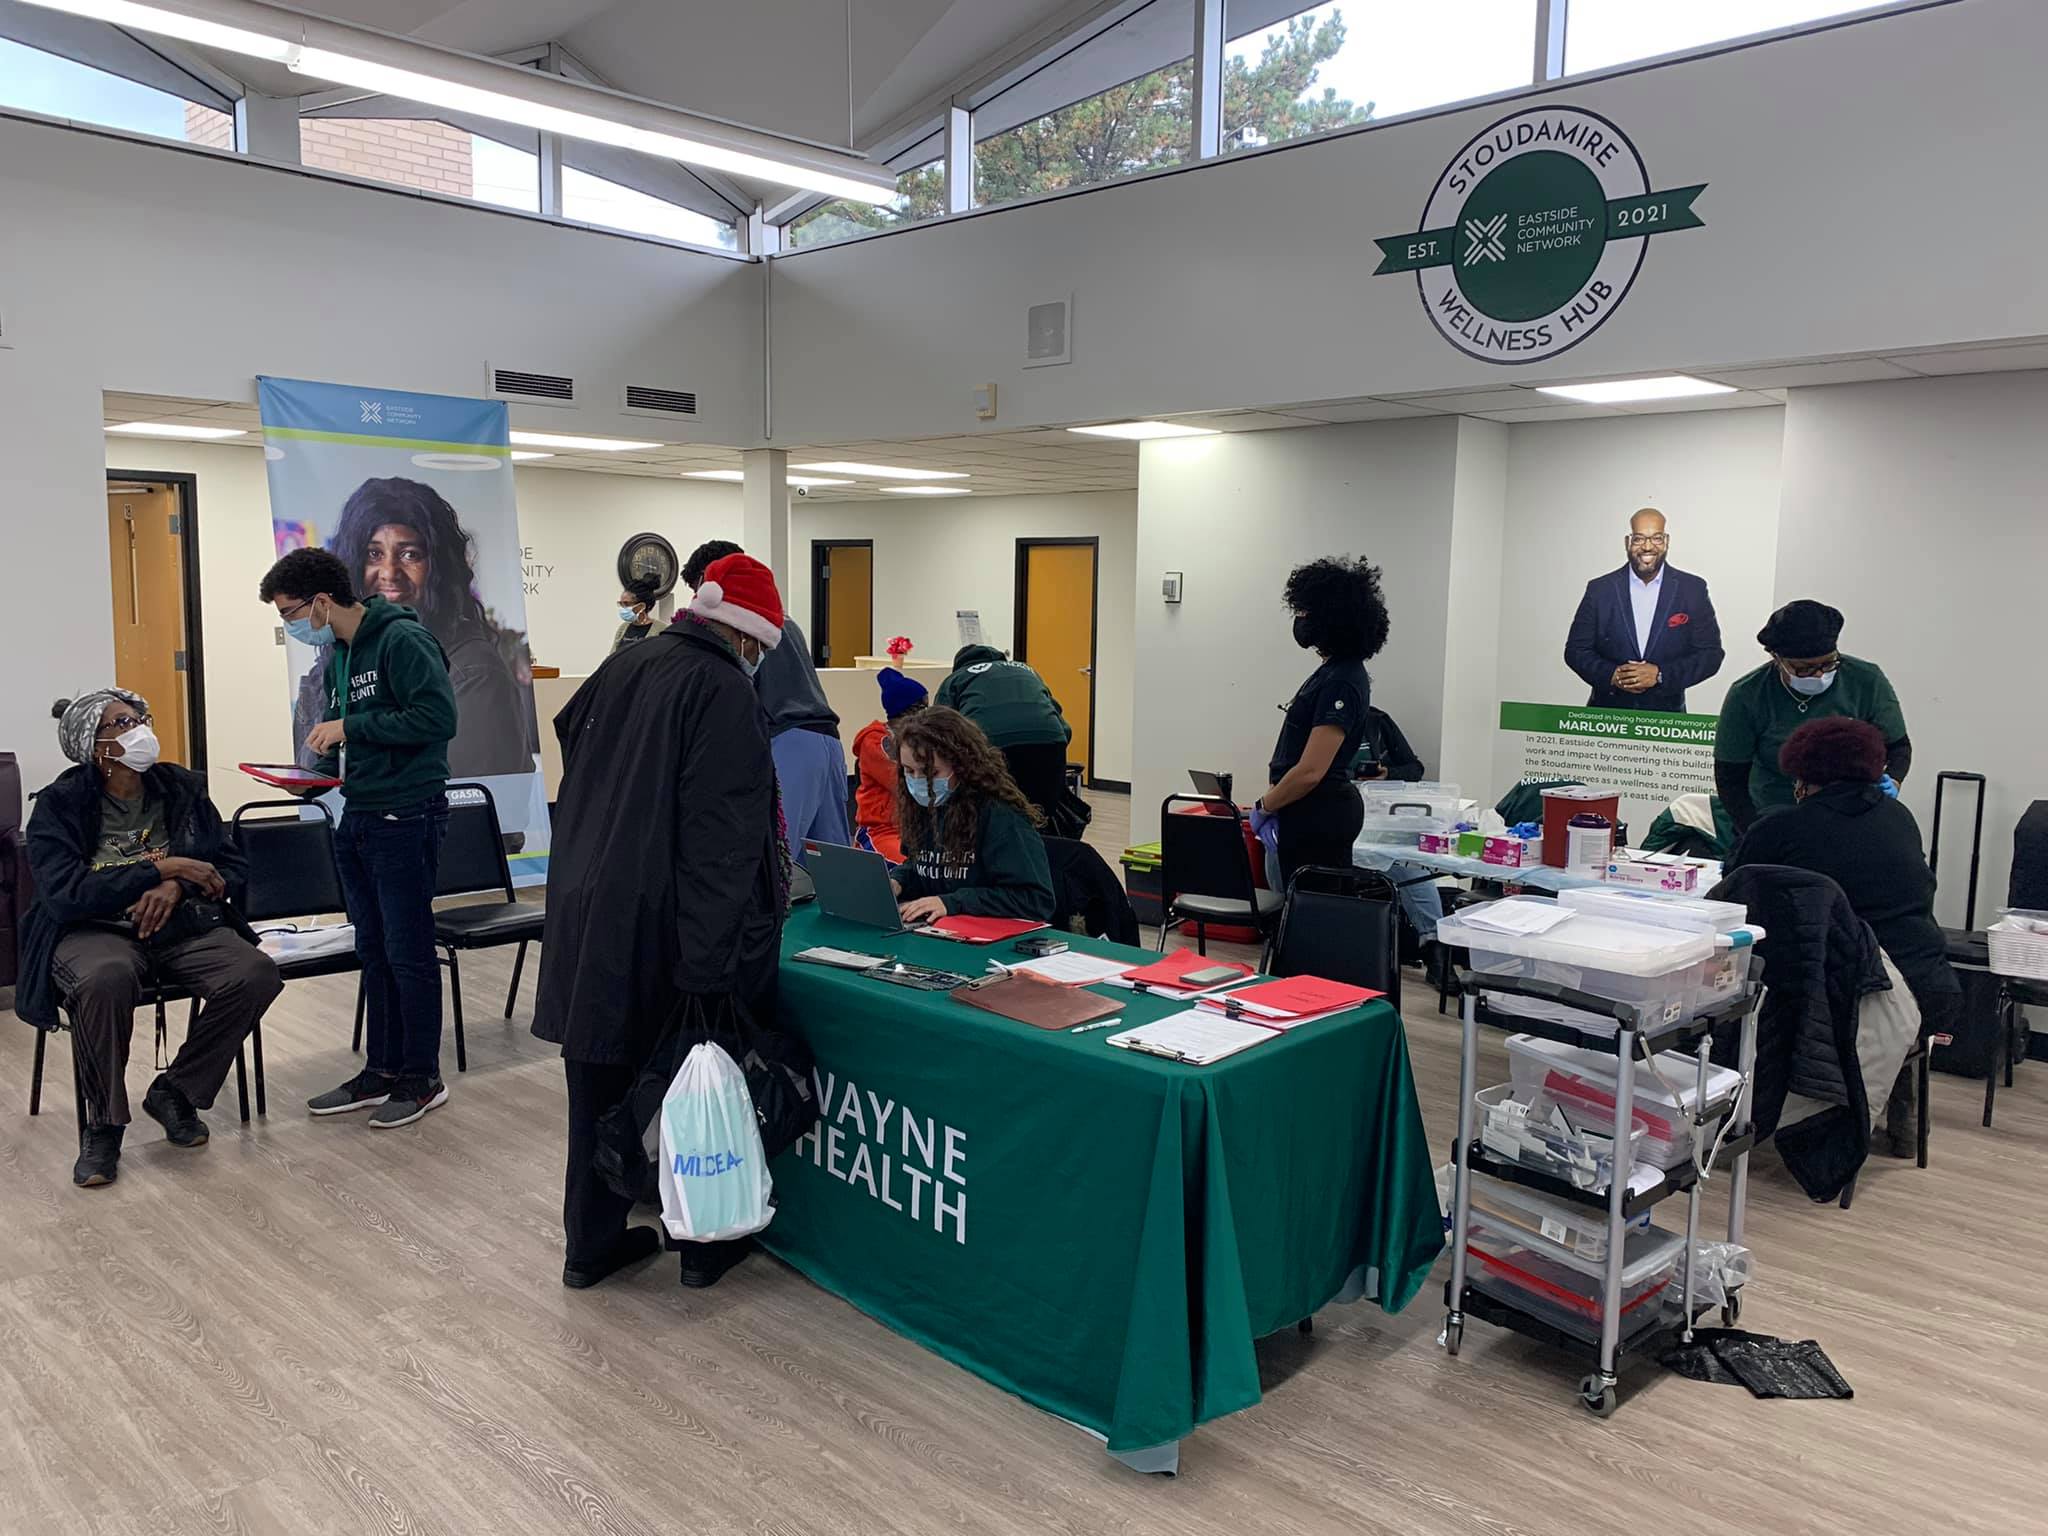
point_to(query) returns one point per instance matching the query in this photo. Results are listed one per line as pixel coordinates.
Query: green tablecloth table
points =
(1103, 1233)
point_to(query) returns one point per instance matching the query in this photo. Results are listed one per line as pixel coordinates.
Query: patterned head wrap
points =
(79, 724)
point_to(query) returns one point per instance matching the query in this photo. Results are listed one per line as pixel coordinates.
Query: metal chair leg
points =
(1921, 1085)
(455, 991)
(518, 965)
(1201, 938)
(77, 1093)
(362, 1002)
(35, 1077)
(256, 1058)
(242, 1082)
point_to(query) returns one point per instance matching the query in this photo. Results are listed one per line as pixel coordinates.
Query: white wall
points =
(142, 267)
(1472, 642)
(1235, 513)
(931, 561)
(1249, 282)
(573, 524)
(1916, 508)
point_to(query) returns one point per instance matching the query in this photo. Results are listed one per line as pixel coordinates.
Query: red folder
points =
(1295, 997)
(985, 930)
(1167, 972)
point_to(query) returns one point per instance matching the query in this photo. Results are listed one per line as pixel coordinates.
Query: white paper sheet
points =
(1518, 917)
(1070, 968)
(1196, 1037)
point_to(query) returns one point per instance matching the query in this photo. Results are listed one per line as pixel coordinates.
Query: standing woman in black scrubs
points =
(1341, 615)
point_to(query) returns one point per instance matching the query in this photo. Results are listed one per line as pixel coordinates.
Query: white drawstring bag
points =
(714, 1174)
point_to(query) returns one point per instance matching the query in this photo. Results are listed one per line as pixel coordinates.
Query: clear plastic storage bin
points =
(1583, 1083)
(1664, 911)
(1654, 969)
(1528, 1216)
(1564, 1289)
(1401, 813)
(1530, 1131)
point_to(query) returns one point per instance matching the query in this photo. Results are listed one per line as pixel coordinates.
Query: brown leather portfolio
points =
(1041, 1004)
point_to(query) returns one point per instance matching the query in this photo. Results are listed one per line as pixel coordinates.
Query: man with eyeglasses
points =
(1807, 678)
(1647, 632)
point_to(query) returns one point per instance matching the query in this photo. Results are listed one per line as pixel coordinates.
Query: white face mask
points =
(1812, 685)
(752, 666)
(139, 749)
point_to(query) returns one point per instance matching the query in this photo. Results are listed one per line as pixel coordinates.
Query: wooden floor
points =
(308, 1327)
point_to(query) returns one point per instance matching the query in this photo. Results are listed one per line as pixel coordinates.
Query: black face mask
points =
(1304, 632)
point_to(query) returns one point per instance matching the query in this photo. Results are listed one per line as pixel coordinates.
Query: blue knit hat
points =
(900, 694)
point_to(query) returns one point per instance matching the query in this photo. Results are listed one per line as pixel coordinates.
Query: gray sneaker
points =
(410, 1099)
(366, 1090)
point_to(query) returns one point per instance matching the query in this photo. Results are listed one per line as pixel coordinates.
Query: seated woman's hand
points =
(925, 909)
(194, 872)
(154, 909)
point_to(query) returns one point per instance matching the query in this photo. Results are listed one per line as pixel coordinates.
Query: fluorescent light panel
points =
(926, 490)
(806, 481)
(528, 456)
(579, 444)
(1676, 386)
(518, 96)
(176, 429)
(1142, 431)
(885, 471)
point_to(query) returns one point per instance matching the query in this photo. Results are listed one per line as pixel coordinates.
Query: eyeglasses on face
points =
(1649, 540)
(297, 608)
(1814, 667)
(121, 724)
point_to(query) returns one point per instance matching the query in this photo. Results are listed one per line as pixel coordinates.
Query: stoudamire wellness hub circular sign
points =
(1534, 233)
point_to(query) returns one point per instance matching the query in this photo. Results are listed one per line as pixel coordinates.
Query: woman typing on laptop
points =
(970, 838)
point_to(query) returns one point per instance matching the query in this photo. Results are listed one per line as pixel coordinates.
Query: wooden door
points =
(1056, 630)
(146, 561)
(845, 592)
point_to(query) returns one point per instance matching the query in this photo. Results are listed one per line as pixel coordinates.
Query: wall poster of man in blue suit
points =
(1645, 633)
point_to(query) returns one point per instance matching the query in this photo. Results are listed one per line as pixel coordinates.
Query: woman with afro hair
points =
(1843, 823)
(1341, 615)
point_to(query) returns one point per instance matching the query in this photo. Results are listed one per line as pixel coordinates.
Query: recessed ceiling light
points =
(579, 444)
(528, 456)
(1140, 431)
(1676, 386)
(926, 490)
(885, 471)
(807, 481)
(176, 429)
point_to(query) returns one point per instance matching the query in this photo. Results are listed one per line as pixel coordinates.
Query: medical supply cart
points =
(1585, 1276)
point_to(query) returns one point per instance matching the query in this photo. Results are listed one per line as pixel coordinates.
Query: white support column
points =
(551, 175)
(959, 159)
(1551, 17)
(267, 128)
(1209, 31)
(764, 511)
(761, 237)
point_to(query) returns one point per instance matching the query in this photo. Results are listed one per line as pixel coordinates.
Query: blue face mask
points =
(301, 629)
(928, 791)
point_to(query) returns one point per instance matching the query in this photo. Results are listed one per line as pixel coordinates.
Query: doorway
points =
(153, 571)
(1056, 625)
(842, 601)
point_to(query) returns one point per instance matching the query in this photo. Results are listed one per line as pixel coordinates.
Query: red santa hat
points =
(739, 591)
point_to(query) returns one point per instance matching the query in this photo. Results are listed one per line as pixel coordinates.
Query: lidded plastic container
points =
(1653, 968)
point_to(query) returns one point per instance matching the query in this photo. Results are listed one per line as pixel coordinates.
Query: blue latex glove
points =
(1890, 787)
(1266, 827)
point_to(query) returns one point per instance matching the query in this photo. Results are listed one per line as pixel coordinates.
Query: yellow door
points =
(146, 560)
(1058, 638)
(849, 603)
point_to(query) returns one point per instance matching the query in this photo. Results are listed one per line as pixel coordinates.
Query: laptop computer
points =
(853, 886)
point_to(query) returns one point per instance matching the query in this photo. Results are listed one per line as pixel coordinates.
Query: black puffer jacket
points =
(1819, 959)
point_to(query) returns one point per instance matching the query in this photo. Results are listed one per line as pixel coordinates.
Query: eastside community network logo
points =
(1534, 234)
(373, 412)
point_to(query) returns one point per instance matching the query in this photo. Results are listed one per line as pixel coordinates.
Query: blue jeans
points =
(812, 771)
(389, 862)
(1422, 901)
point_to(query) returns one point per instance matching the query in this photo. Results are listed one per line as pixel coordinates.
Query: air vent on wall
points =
(647, 400)
(522, 384)
(1049, 334)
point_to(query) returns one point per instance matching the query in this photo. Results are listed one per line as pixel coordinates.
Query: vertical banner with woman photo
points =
(414, 493)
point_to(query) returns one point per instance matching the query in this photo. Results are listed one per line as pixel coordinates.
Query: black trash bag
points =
(777, 1067)
(1768, 1367)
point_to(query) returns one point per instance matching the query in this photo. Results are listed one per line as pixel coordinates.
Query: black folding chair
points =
(288, 846)
(1205, 871)
(472, 861)
(1342, 925)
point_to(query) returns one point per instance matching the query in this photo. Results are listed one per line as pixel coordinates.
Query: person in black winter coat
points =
(667, 883)
(135, 881)
(1843, 825)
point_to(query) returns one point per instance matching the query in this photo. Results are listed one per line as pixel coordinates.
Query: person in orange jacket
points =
(874, 757)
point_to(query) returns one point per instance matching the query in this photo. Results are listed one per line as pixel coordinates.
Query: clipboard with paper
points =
(1194, 1036)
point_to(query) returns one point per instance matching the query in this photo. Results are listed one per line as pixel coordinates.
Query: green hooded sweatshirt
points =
(1008, 700)
(389, 687)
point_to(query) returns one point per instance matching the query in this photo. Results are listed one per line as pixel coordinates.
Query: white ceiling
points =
(1051, 460)
(779, 65)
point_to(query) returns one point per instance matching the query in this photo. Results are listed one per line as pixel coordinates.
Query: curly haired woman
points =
(1341, 615)
(970, 838)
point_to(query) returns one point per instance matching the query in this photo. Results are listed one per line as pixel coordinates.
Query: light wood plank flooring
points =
(307, 1328)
